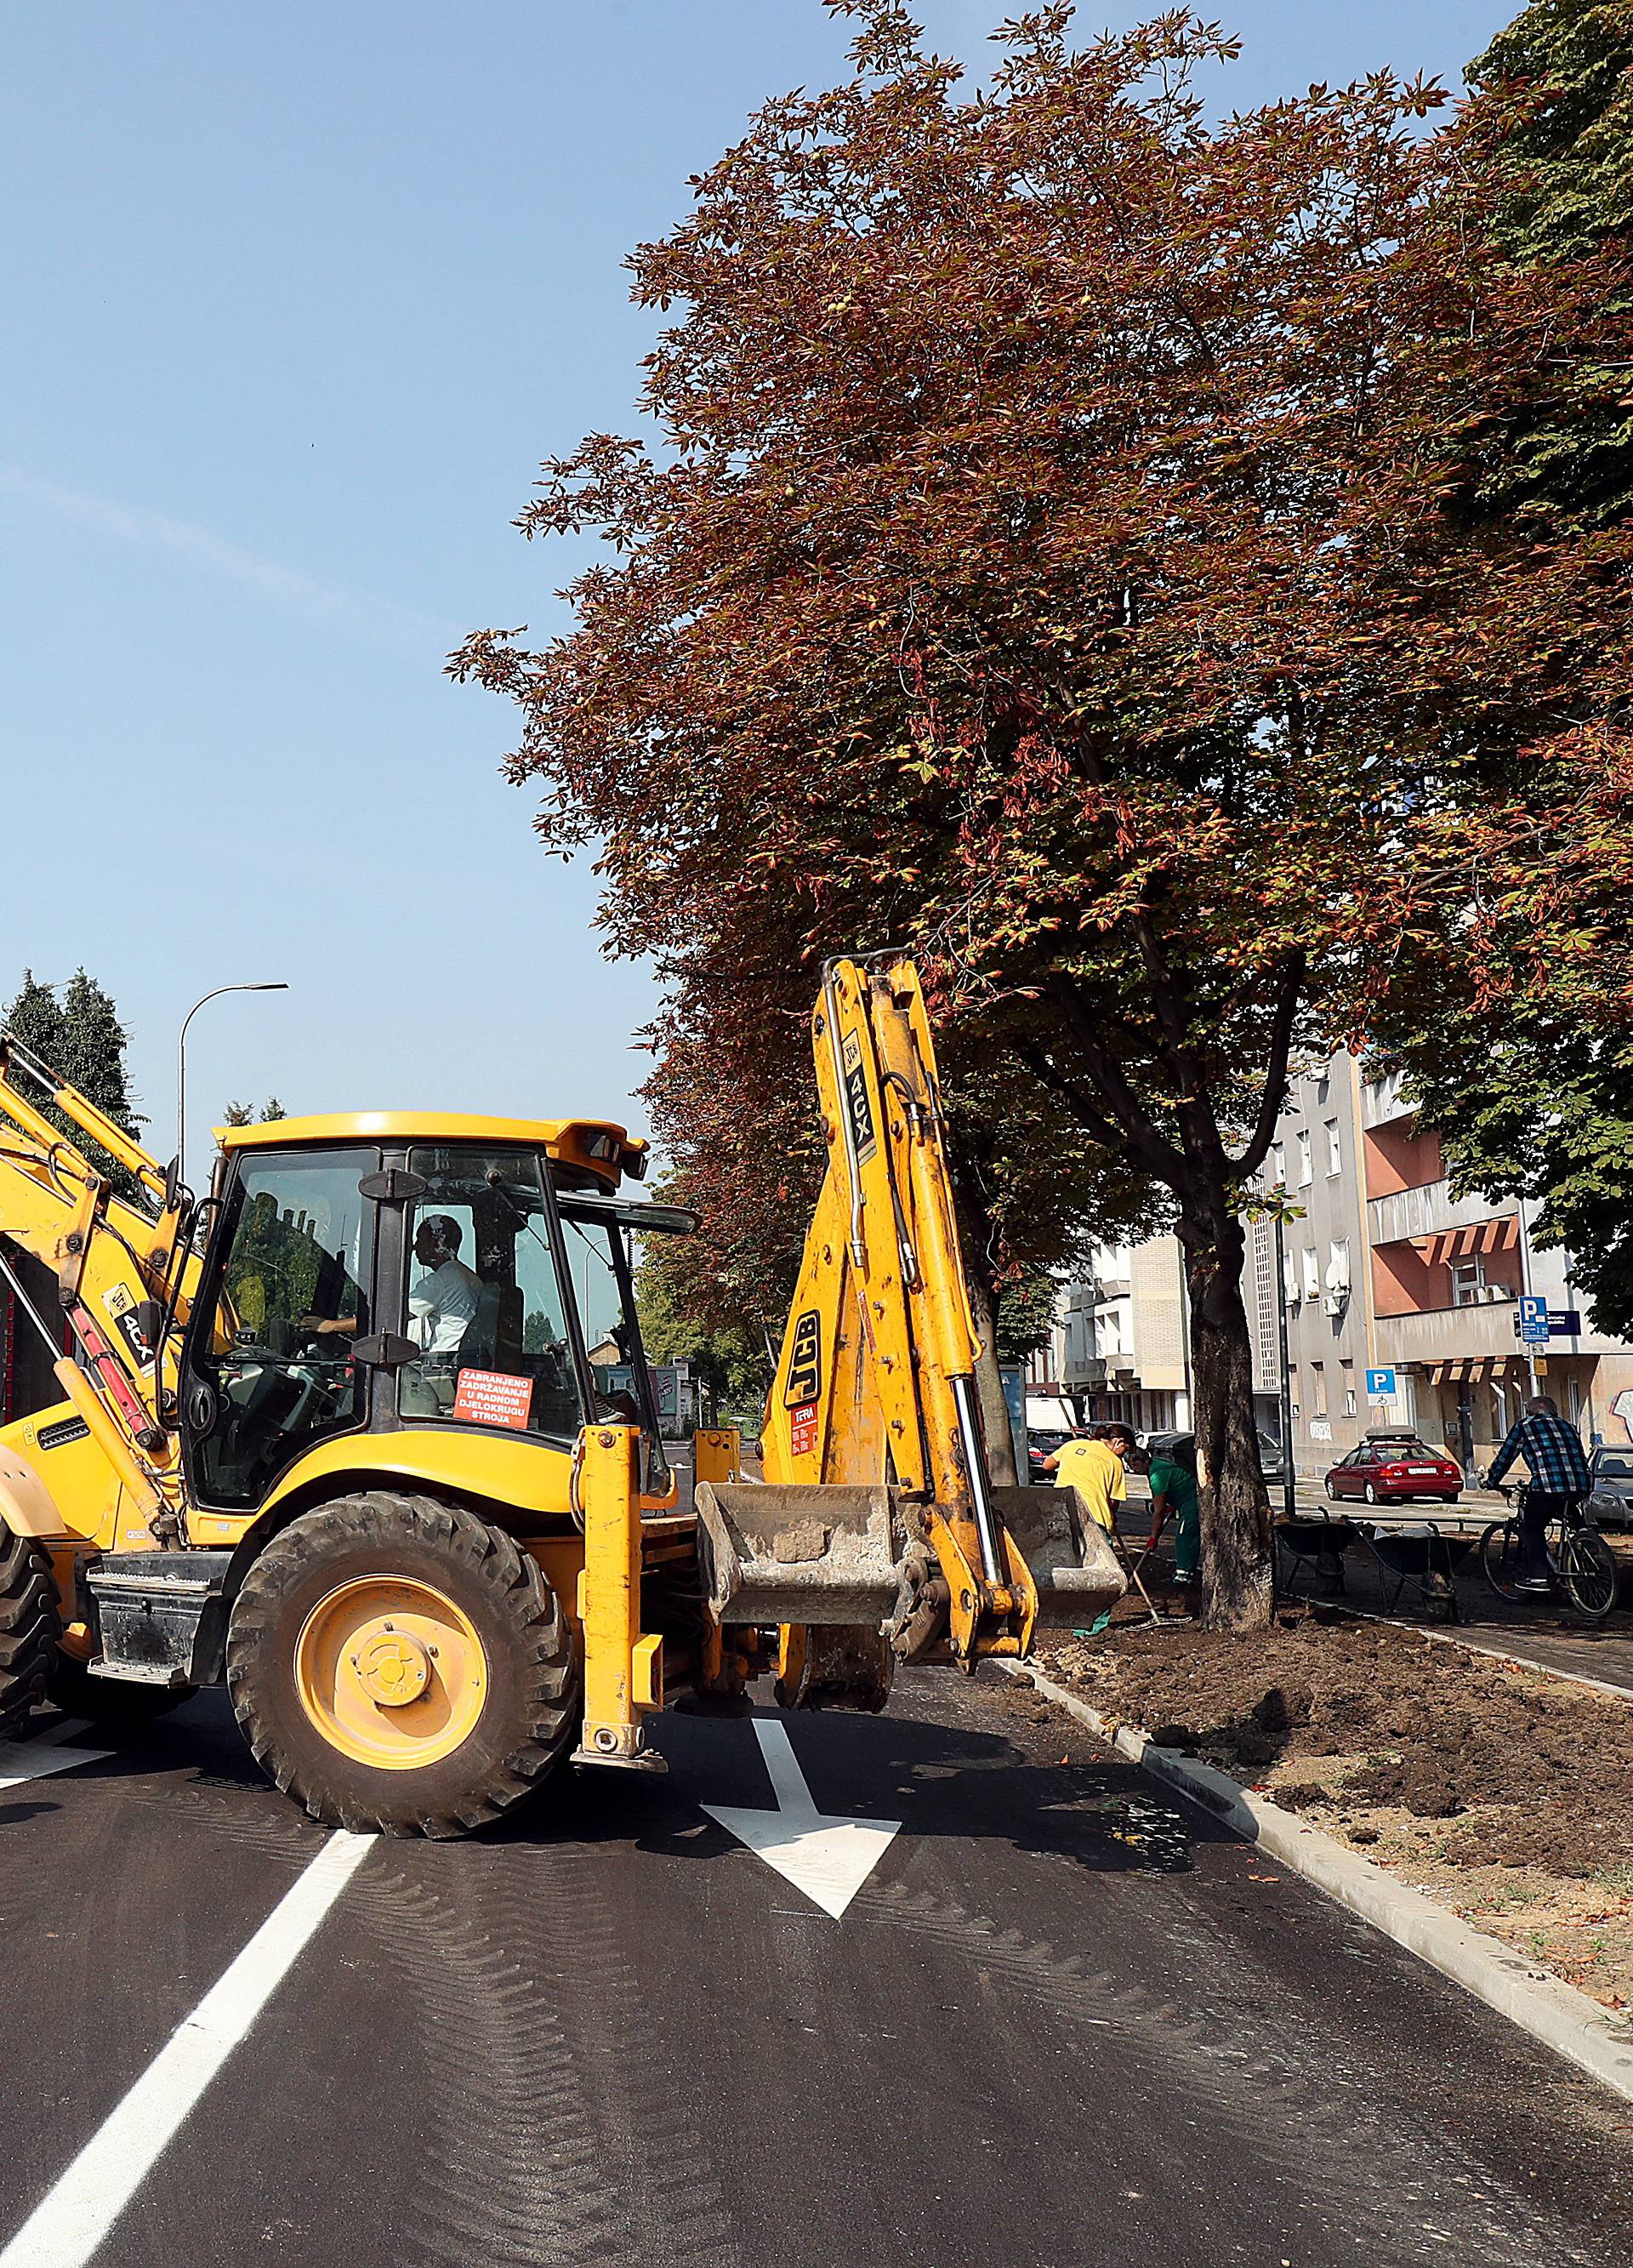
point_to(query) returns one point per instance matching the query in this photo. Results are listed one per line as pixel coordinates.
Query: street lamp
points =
(181, 1063)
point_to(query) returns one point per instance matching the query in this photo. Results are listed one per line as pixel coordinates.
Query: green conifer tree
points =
(79, 1037)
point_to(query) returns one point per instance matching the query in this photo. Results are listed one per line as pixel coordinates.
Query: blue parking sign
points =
(1533, 1319)
(1380, 1386)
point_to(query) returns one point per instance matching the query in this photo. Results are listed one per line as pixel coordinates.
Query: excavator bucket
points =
(1073, 1564)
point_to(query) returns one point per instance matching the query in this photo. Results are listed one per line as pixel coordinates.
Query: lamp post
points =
(181, 1063)
(1290, 1478)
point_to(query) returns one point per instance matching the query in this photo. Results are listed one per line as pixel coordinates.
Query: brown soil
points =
(1506, 1793)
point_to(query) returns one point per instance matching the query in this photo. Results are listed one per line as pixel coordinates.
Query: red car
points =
(1394, 1469)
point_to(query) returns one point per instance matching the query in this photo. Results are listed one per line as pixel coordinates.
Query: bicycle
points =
(1580, 1563)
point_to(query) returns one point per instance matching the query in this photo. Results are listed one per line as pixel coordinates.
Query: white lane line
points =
(76, 2214)
(21, 1760)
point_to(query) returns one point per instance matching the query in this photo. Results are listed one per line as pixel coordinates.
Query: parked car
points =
(1394, 1469)
(1610, 1496)
(1042, 1441)
(1162, 1445)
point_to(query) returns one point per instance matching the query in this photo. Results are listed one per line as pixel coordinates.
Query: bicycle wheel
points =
(1587, 1566)
(1499, 1557)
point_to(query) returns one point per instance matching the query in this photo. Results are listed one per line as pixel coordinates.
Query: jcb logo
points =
(804, 1362)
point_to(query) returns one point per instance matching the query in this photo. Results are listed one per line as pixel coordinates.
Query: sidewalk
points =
(1543, 1632)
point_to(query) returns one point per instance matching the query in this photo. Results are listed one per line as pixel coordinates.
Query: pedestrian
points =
(1174, 1490)
(1094, 1466)
(1555, 1458)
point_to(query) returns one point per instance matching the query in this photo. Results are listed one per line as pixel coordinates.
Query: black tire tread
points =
(30, 1626)
(518, 1588)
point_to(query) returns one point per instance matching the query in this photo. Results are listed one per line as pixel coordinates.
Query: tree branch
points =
(1129, 1126)
(1276, 1069)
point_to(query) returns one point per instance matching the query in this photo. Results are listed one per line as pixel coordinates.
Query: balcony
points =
(1425, 1211)
(1448, 1334)
(1381, 1100)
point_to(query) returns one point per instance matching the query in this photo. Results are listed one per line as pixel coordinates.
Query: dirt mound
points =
(1428, 1729)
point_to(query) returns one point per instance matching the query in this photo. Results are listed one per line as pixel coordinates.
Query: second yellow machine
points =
(335, 1434)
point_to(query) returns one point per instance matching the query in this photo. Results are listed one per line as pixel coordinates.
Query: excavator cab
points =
(358, 1290)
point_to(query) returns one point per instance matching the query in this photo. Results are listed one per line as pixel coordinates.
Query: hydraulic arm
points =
(118, 1270)
(877, 1484)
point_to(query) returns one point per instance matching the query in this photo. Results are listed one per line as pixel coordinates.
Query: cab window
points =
(292, 1297)
(483, 1305)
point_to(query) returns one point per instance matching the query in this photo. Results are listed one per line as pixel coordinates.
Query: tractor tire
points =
(400, 1667)
(30, 1625)
(112, 1701)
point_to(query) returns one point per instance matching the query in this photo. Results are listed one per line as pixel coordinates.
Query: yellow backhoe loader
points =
(340, 1434)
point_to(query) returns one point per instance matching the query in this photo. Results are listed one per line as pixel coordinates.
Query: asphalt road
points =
(1063, 2022)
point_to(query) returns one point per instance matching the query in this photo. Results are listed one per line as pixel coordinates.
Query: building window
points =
(1311, 1273)
(1306, 1172)
(1334, 1148)
(1290, 1280)
(1468, 1281)
(1278, 1165)
(1318, 1390)
(1292, 1387)
(1347, 1369)
(1338, 1276)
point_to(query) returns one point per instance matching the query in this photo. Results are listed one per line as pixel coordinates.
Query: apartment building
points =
(1122, 1337)
(1316, 1157)
(1383, 1269)
(1446, 1275)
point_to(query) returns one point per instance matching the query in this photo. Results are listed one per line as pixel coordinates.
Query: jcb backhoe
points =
(337, 1433)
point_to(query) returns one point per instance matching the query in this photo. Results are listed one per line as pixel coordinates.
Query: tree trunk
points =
(1237, 1542)
(990, 1387)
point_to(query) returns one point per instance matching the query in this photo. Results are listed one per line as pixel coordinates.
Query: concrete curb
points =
(1551, 2011)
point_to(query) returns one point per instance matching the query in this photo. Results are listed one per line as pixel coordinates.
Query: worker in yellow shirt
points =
(1096, 1468)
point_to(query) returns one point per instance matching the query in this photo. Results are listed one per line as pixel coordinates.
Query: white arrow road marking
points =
(70, 2221)
(21, 1760)
(829, 1858)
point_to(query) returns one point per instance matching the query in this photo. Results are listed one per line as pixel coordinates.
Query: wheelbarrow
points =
(1423, 1560)
(1315, 1549)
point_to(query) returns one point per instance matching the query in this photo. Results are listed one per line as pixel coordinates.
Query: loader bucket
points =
(781, 1552)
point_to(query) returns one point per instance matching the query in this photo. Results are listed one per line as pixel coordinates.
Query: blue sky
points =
(295, 299)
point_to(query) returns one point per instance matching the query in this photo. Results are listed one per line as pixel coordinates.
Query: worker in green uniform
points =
(1174, 1490)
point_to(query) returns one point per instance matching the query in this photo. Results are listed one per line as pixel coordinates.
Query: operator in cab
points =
(443, 1301)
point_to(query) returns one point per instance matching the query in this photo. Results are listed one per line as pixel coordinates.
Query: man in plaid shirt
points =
(1557, 1464)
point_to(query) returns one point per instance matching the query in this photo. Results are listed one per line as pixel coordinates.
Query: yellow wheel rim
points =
(391, 1672)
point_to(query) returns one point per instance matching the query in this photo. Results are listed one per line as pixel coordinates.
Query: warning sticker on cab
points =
(802, 1429)
(493, 1397)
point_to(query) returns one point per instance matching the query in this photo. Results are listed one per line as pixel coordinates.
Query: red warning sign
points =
(802, 1429)
(492, 1398)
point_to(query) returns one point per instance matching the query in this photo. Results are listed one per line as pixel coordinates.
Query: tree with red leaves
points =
(1050, 567)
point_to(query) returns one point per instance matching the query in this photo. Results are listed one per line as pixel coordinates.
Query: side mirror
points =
(151, 1322)
(172, 1184)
